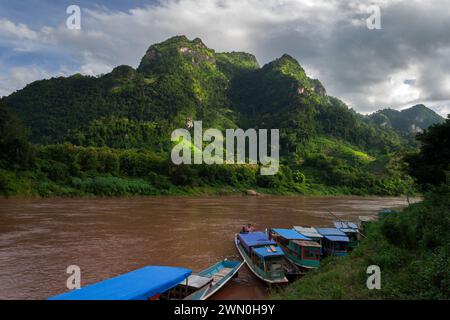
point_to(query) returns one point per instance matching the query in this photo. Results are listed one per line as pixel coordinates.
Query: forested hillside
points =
(110, 135)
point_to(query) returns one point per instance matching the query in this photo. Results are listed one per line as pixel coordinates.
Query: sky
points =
(405, 62)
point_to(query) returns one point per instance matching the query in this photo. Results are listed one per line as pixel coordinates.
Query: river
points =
(40, 238)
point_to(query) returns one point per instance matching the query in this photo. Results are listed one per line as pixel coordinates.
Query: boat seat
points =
(221, 274)
(216, 279)
(196, 281)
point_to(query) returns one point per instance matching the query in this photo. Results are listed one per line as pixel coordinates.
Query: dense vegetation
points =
(430, 166)
(110, 135)
(411, 247)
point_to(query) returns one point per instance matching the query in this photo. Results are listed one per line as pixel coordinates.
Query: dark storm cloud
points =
(366, 68)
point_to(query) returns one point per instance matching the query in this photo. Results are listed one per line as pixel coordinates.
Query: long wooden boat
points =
(147, 283)
(351, 230)
(206, 283)
(335, 242)
(262, 256)
(159, 283)
(311, 233)
(299, 249)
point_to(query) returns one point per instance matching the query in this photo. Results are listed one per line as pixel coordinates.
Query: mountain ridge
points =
(180, 79)
(408, 121)
(110, 135)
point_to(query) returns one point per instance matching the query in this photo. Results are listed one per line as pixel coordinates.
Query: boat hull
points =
(223, 272)
(252, 267)
(299, 264)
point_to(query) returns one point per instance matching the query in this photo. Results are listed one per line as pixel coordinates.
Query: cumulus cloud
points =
(9, 29)
(18, 77)
(405, 62)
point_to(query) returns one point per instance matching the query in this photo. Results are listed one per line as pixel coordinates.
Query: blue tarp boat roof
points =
(346, 226)
(290, 234)
(255, 239)
(333, 234)
(308, 232)
(266, 252)
(140, 284)
(338, 238)
(348, 230)
(330, 232)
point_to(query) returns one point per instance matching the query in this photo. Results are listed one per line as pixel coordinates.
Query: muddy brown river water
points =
(39, 239)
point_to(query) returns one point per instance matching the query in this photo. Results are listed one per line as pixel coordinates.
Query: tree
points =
(15, 151)
(430, 166)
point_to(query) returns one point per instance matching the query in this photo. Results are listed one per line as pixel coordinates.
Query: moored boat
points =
(351, 230)
(159, 283)
(335, 242)
(263, 257)
(204, 284)
(147, 283)
(311, 233)
(298, 248)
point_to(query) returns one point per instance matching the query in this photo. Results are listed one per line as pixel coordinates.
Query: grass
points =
(412, 248)
(339, 149)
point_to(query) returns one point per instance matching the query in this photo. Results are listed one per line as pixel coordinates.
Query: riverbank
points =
(34, 185)
(412, 248)
(328, 168)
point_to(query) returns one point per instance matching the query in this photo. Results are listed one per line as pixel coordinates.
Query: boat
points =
(351, 230)
(263, 257)
(204, 284)
(299, 249)
(311, 233)
(335, 242)
(159, 283)
(147, 283)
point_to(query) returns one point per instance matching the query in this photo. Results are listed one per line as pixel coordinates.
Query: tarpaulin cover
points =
(290, 234)
(338, 238)
(330, 232)
(346, 227)
(308, 232)
(348, 230)
(140, 284)
(266, 252)
(255, 239)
